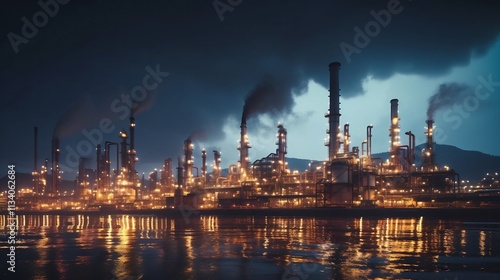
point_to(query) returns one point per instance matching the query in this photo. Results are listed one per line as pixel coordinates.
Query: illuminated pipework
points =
(107, 162)
(411, 145)
(394, 133)
(281, 151)
(166, 175)
(82, 178)
(369, 142)
(347, 138)
(45, 176)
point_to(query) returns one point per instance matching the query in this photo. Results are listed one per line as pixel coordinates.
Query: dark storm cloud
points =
(103, 48)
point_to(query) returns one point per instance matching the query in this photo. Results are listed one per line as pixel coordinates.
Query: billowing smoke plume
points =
(83, 114)
(272, 94)
(145, 104)
(198, 135)
(446, 95)
(75, 118)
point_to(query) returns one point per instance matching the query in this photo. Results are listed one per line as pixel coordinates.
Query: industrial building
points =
(351, 177)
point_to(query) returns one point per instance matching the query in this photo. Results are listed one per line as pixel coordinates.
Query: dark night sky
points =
(89, 53)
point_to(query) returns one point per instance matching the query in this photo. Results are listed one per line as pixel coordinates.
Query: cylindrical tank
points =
(339, 172)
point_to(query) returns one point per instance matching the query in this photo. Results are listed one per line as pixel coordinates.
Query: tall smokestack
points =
(132, 132)
(203, 167)
(55, 165)
(347, 138)
(167, 172)
(430, 129)
(178, 193)
(334, 112)
(244, 146)
(369, 141)
(98, 165)
(394, 132)
(82, 178)
(45, 187)
(429, 151)
(180, 173)
(106, 161)
(217, 161)
(188, 161)
(132, 145)
(107, 165)
(35, 149)
(281, 151)
(125, 155)
(36, 176)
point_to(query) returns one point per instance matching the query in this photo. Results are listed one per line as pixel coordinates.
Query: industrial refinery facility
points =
(351, 177)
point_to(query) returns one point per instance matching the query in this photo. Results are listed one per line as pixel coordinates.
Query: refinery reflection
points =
(215, 247)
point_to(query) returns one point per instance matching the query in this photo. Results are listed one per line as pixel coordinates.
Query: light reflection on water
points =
(217, 247)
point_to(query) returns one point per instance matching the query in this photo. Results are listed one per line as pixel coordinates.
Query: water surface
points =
(217, 247)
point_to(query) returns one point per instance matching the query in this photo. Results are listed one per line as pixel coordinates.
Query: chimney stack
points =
(125, 155)
(167, 172)
(203, 167)
(36, 150)
(281, 151)
(394, 133)
(244, 146)
(55, 165)
(36, 176)
(98, 165)
(429, 153)
(180, 173)
(334, 112)
(132, 153)
(217, 161)
(188, 161)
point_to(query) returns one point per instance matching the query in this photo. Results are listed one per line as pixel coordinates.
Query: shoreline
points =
(333, 212)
